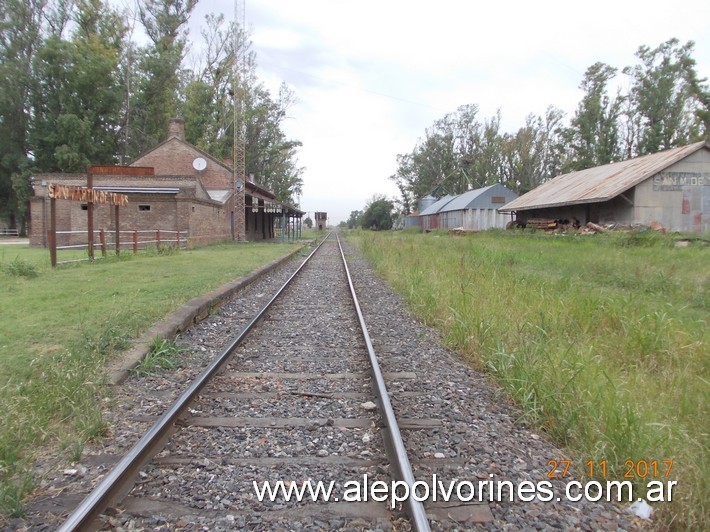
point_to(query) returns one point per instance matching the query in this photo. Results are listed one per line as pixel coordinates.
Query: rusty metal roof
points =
(600, 183)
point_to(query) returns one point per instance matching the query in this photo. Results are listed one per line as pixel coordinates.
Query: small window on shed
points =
(498, 199)
(84, 207)
(143, 207)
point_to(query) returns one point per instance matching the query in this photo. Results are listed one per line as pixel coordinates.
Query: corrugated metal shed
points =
(601, 183)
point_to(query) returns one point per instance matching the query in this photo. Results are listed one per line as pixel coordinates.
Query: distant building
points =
(190, 191)
(412, 219)
(321, 220)
(475, 210)
(670, 187)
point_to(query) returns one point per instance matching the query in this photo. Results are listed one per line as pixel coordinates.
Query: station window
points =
(143, 207)
(498, 199)
(84, 207)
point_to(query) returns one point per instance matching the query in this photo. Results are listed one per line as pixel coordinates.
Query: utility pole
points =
(238, 89)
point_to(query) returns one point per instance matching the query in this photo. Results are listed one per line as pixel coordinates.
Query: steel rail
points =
(117, 482)
(396, 452)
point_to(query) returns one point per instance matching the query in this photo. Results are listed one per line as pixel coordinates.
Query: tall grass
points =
(601, 340)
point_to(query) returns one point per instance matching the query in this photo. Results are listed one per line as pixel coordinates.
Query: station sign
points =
(89, 195)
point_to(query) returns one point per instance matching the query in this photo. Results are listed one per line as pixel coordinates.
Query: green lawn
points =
(60, 326)
(602, 340)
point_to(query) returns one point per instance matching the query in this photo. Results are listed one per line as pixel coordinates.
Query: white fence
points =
(128, 240)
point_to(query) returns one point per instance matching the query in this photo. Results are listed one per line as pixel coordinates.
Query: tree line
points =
(378, 215)
(79, 88)
(667, 105)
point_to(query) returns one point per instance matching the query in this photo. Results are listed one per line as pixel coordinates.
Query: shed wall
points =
(678, 197)
(429, 222)
(474, 219)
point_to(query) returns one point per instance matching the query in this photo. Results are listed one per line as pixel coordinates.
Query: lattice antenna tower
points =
(239, 89)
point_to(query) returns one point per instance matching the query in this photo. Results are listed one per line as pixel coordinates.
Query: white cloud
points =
(370, 76)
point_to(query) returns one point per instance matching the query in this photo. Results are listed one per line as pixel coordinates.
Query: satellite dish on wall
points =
(199, 164)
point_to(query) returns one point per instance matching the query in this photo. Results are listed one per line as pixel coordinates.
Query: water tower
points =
(321, 220)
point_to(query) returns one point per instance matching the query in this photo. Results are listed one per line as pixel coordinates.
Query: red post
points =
(178, 239)
(135, 241)
(157, 238)
(102, 238)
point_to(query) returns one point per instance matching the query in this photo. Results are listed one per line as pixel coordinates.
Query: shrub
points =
(20, 268)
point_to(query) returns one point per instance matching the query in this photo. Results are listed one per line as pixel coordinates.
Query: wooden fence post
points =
(90, 211)
(52, 234)
(118, 232)
(102, 238)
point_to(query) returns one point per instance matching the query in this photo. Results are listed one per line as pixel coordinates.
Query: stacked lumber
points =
(543, 224)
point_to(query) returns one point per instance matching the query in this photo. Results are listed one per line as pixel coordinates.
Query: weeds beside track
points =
(601, 340)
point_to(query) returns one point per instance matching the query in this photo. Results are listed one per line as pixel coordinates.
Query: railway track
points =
(293, 402)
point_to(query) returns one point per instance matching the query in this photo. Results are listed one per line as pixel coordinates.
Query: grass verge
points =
(60, 326)
(601, 341)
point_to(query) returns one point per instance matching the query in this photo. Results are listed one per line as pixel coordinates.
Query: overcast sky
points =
(370, 76)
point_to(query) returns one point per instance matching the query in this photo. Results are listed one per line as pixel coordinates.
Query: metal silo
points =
(425, 202)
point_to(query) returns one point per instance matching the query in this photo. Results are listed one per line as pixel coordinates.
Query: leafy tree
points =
(466, 153)
(78, 97)
(354, 220)
(208, 96)
(535, 153)
(308, 222)
(209, 109)
(521, 157)
(158, 76)
(271, 157)
(669, 104)
(444, 162)
(593, 137)
(478, 149)
(378, 214)
(20, 35)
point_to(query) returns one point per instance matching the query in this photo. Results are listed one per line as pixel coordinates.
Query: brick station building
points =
(191, 192)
